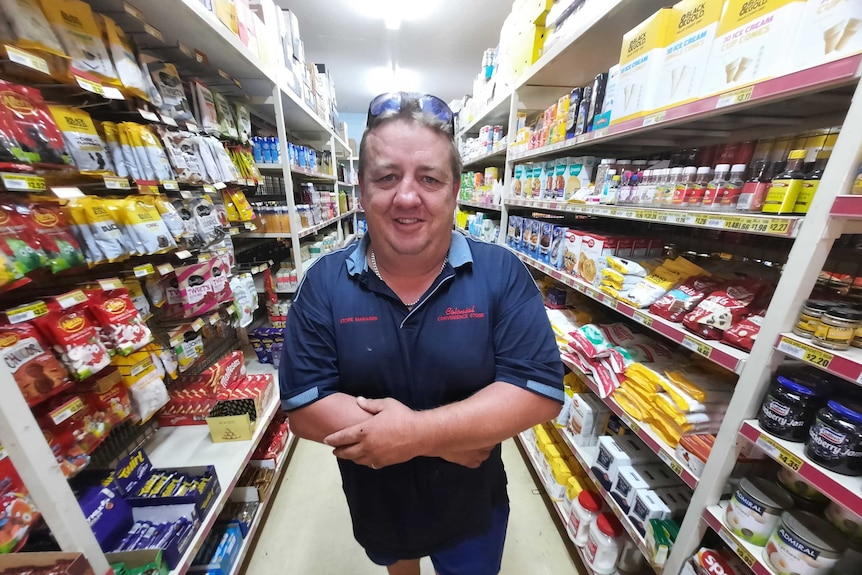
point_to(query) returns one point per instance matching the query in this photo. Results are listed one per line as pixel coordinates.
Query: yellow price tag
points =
(148, 189)
(805, 352)
(214, 318)
(27, 59)
(165, 269)
(818, 357)
(735, 97)
(66, 410)
(231, 309)
(698, 347)
(197, 324)
(700, 220)
(110, 283)
(778, 226)
(71, 299)
(90, 86)
(643, 319)
(776, 451)
(144, 270)
(23, 182)
(115, 183)
(26, 312)
(744, 554)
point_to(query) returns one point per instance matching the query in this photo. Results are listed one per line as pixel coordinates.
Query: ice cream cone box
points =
(832, 30)
(752, 43)
(641, 62)
(691, 34)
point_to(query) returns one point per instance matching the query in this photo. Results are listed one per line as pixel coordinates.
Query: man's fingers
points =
(372, 406)
(347, 436)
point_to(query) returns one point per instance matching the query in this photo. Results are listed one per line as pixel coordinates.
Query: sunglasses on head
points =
(428, 104)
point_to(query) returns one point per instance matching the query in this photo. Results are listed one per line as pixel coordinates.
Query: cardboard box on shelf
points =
(752, 43)
(533, 11)
(641, 60)
(139, 558)
(13, 562)
(832, 30)
(225, 11)
(691, 34)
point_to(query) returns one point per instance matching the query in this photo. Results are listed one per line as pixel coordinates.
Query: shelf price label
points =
(778, 452)
(26, 312)
(165, 269)
(805, 352)
(674, 465)
(198, 324)
(700, 220)
(23, 182)
(144, 270)
(653, 119)
(184, 254)
(66, 410)
(26, 59)
(71, 299)
(109, 284)
(737, 548)
(698, 347)
(734, 97)
(630, 423)
(147, 115)
(779, 227)
(90, 86)
(116, 183)
(170, 185)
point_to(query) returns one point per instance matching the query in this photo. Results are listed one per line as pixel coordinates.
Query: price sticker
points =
(26, 59)
(233, 231)
(200, 57)
(805, 352)
(679, 219)
(113, 93)
(818, 357)
(141, 367)
(23, 182)
(148, 189)
(778, 227)
(147, 115)
(66, 410)
(144, 270)
(209, 189)
(165, 269)
(198, 324)
(249, 226)
(700, 220)
(214, 318)
(791, 348)
(26, 312)
(698, 347)
(184, 254)
(90, 86)
(155, 33)
(186, 195)
(223, 74)
(192, 127)
(674, 465)
(745, 555)
(599, 133)
(177, 339)
(653, 119)
(643, 319)
(115, 183)
(110, 284)
(611, 302)
(167, 120)
(219, 185)
(716, 223)
(735, 97)
(170, 185)
(204, 257)
(132, 11)
(231, 309)
(71, 299)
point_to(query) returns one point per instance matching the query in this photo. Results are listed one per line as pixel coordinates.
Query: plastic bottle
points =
(715, 188)
(687, 179)
(612, 191)
(674, 179)
(602, 173)
(733, 189)
(585, 509)
(811, 183)
(694, 193)
(754, 190)
(655, 192)
(785, 187)
(603, 549)
(628, 186)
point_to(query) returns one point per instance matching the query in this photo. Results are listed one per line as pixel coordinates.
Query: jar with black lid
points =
(789, 409)
(835, 438)
(809, 316)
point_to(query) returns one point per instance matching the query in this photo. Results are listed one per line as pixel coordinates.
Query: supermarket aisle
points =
(308, 528)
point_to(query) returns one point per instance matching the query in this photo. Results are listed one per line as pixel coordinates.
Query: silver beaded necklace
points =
(377, 272)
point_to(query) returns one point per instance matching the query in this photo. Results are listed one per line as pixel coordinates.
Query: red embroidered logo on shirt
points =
(358, 319)
(456, 313)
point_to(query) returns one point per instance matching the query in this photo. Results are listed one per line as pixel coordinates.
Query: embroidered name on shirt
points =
(358, 319)
(456, 313)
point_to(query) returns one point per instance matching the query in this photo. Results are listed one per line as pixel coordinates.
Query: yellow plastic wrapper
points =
(31, 27)
(145, 226)
(128, 69)
(101, 233)
(85, 145)
(246, 213)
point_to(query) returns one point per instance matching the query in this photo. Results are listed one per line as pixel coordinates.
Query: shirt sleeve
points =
(525, 347)
(309, 365)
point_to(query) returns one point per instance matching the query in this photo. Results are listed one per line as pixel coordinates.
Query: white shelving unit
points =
(822, 96)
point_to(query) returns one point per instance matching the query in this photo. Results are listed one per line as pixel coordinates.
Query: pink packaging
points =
(196, 289)
(220, 274)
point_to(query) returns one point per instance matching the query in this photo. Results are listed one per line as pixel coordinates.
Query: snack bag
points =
(123, 56)
(188, 348)
(143, 222)
(230, 208)
(206, 107)
(220, 273)
(37, 140)
(182, 151)
(19, 240)
(139, 299)
(112, 139)
(104, 229)
(169, 215)
(75, 26)
(119, 320)
(30, 27)
(242, 299)
(18, 513)
(130, 157)
(225, 117)
(722, 308)
(155, 154)
(112, 403)
(681, 300)
(89, 152)
(74, 211)
(37, 372)
(206, 219)
(148, 397)
(243, 120)
(54, 231)
(743, 334)
(240, 202)
(169, 86)
(75, 339)
(196, 288)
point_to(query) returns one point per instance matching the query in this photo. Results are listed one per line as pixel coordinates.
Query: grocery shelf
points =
(468, 234)
(755, 108)
(301, 121)
(777, 226)
(847, 206)
(586, 456)
(717, 352)
(843, 490)
(530, 450)
(312, 174)
(480, 206)
(846, 364)
(496, 113)
(303, 233)
(262, 166)
(667, 456)
(248, 541)
(750, 554)
(191, 445)
(498, 155)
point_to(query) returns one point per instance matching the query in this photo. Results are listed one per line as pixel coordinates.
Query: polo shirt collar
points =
(459, 254)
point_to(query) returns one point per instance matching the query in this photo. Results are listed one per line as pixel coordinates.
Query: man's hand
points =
(393, 435)
(471, 459)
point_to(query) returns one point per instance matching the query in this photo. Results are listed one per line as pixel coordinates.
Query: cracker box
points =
(547, 180)
(691, 34)
(632, 479)
(518, 182)
(527, 187)
(594, 246)
(560, 167)
(571, 251)
(526, 234)
(546, 232)
(752, 43)
(535, 233)
(832, 30)
(579, 172)
(648, 505)
(641, 62)
(514, 223)
(615, 452)
(535, 188)
(588, 417)
(603, 120)
(558, 242)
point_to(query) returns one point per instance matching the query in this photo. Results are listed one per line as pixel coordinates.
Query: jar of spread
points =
(837, 328)
(835, 438)
(809, 317)
(805, 495)
(789, 409)
(857, 338)
(803, 544)
(755, 508)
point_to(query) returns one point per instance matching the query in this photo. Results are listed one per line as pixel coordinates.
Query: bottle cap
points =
(704, 170)
(675, 171)
(797, 155)
(688, 170)
(738, 168)
(589, 501)
(722, 167)
(609, 525)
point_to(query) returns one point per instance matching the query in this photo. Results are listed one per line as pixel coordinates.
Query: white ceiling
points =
(444, 48)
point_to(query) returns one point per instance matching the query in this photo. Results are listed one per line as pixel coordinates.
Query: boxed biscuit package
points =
(578, 174)
(571, 251)
(558, 240)
(832, 30)
(752, 43)
(518, 182)
(593, 247)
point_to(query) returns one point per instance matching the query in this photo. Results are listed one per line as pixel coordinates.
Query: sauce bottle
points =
(695, 192)
(732, 191)
(754, 190)
(715, 188)
(673, 180)
(658, 192)
(785, 188)
(811, 183)
(687, 179)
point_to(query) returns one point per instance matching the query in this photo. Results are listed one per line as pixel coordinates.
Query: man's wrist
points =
(426, 440)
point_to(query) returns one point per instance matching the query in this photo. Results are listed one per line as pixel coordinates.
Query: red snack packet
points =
(119, 321)
(72, 430)
(108, 396)
(743, 334)
(75, 339)
(39, 141)
(722, 309)
(37, 372)
(17, 511)
(19, 240)
(55, 236)
(679, 301)
(220, 274)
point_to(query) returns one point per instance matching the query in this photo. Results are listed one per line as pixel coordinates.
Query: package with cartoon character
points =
(89, 152)
(37, 372)
(18, 513)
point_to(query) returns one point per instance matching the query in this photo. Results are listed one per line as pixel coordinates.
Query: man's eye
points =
(430, 180)
(387, 178)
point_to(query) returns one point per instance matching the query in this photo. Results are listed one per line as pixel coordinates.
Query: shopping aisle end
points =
(308, 529)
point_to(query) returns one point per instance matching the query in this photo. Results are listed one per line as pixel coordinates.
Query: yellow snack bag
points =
(246, 213)
(230, 208)
(83, 142)
(105, 232)
(145, 226)
(129, 71)
(30, 27)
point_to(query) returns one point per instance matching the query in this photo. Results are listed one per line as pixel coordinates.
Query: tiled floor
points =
(308, 529)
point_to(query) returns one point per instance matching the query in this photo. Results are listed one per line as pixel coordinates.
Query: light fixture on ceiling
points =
(393, 12)
(392, 22)
(387, 79)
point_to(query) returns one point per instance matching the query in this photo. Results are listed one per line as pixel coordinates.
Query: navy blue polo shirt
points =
(481, 321)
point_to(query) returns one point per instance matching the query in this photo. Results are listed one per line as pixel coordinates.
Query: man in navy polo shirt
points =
(415, 352)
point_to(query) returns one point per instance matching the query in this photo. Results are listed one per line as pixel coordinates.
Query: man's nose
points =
(408, 191)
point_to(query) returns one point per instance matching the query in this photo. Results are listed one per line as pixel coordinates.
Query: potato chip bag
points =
(55, 236)
(19, 240)
(207, 116)
(206, 219)
(30, 26)
(75, 26)
(119, 320)
(112, 139)
(130, 158)
(123, 56)
(182, 151)
(237, 196)
(104, 229)
(143, 222)
(74, 338)
(230, 208)
(155, 154)
(37, 372)
(88, 151)
(136, 294)
(170, 87)
(74, 211)
(225, 117)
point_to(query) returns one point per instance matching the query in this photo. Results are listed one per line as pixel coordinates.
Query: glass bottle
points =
(687, 179)
(754, 190)
(715, 188)
(656, 192)
(674, 179)
(785, 187)
(811, 183)
(694, 193)
(733, 189)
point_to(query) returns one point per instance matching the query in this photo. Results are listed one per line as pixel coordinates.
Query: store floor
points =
(308, 530)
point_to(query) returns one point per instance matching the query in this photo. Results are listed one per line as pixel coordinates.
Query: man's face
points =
(408, 189)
